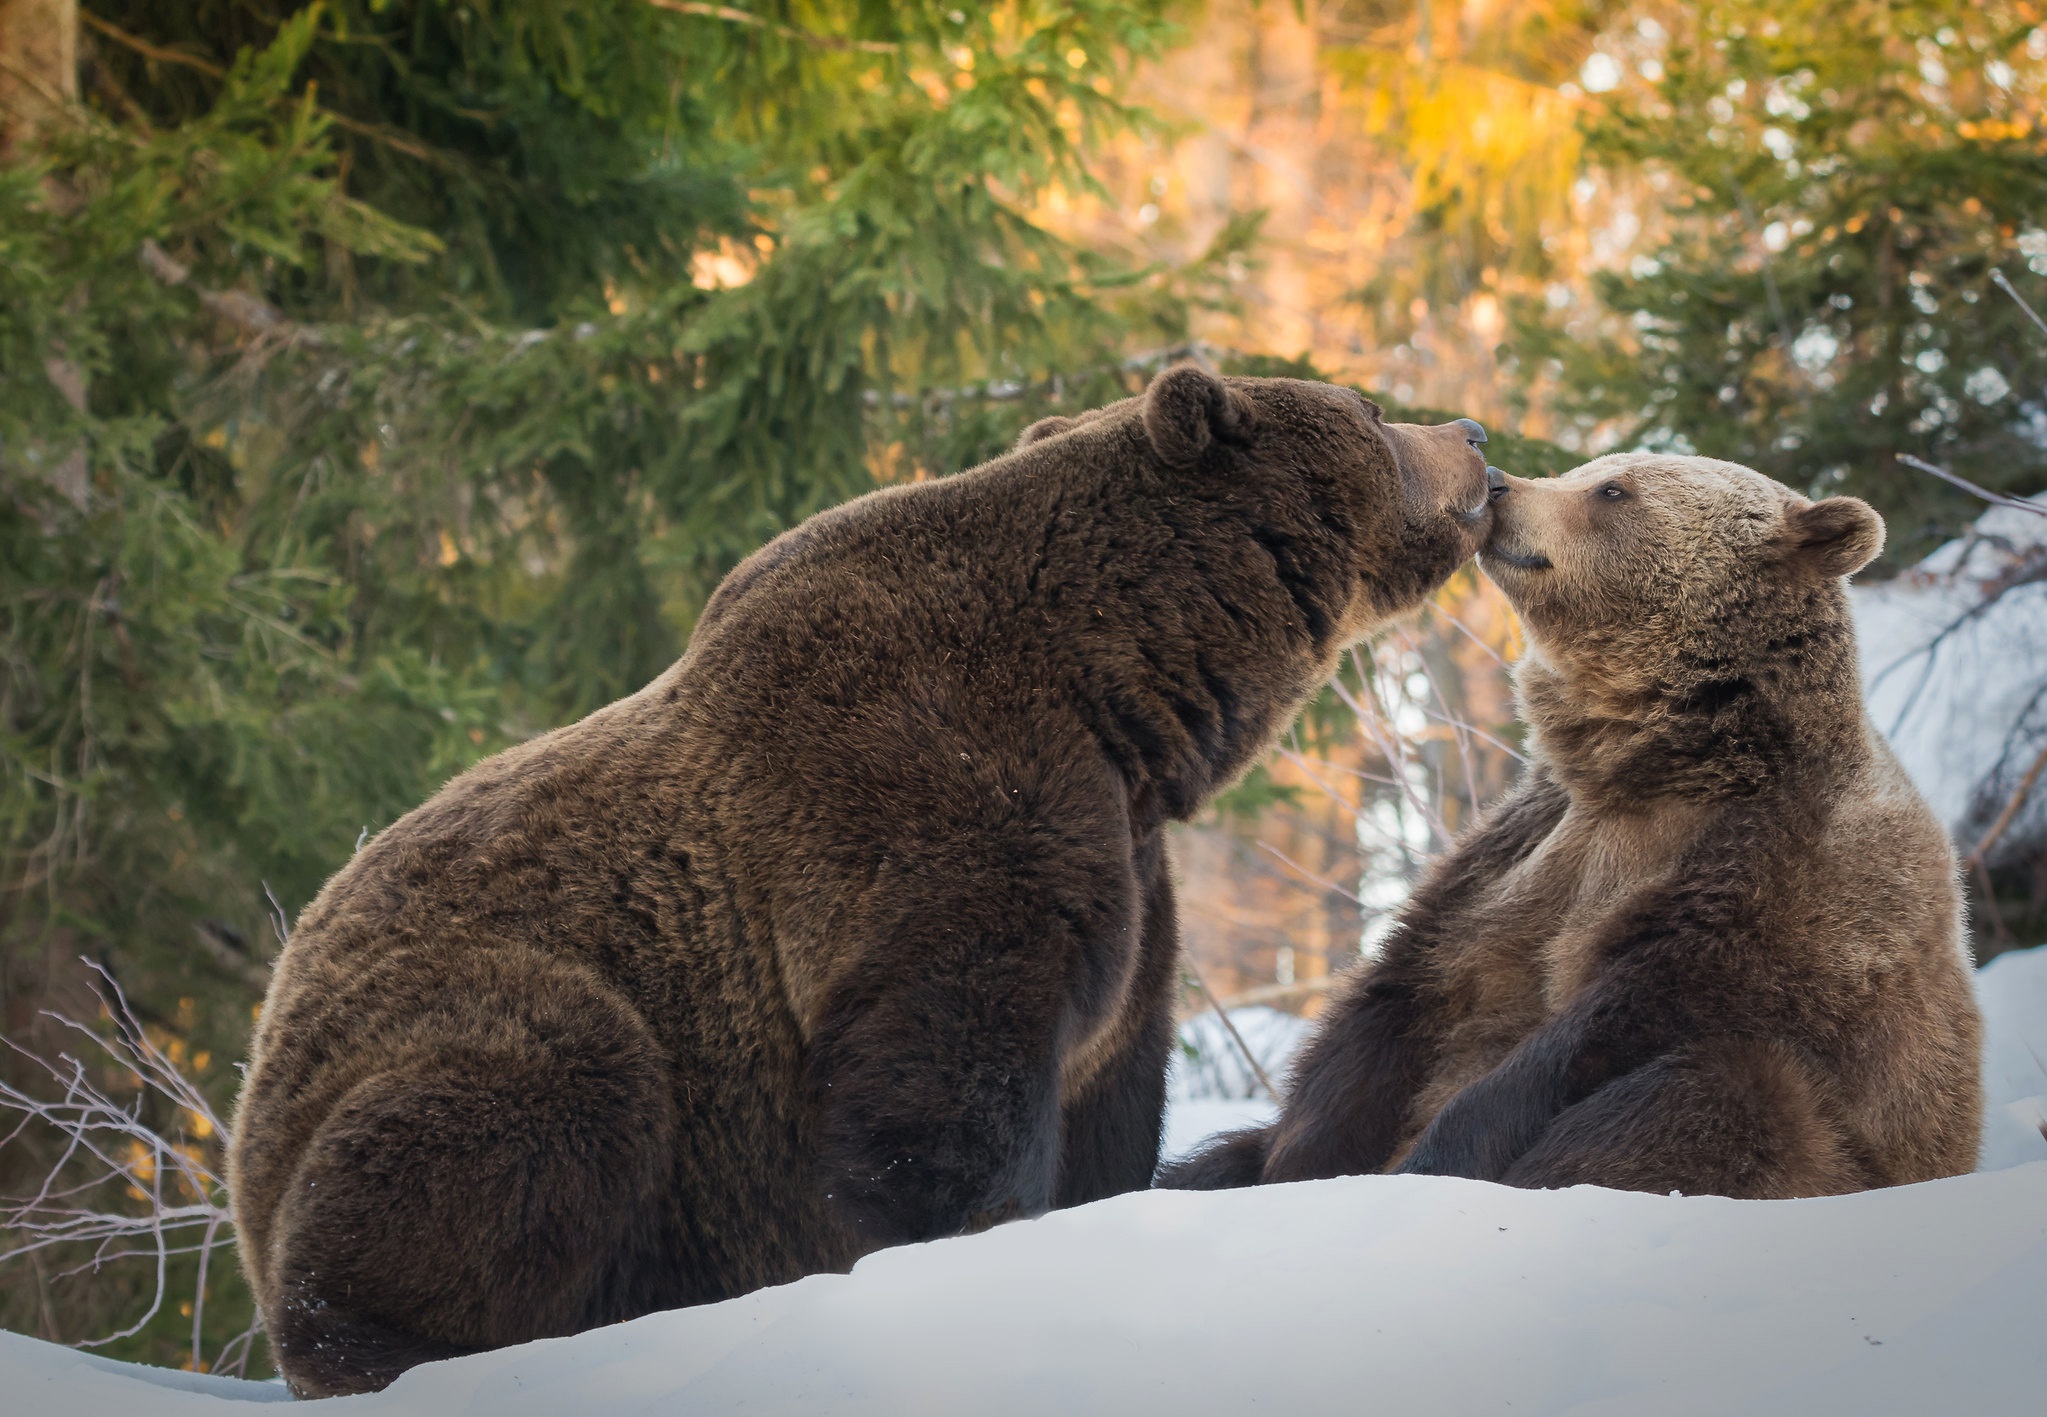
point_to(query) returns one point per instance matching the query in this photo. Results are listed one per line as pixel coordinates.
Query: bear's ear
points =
(1187, 408)
(1045, 428)
(1837, 536)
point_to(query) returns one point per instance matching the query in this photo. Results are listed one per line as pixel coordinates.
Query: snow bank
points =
(1401, 1294)
(1949, 687)
(2012, 991)
(1397, 1293)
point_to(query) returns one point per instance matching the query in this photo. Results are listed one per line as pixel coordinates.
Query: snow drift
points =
(1396, 1293)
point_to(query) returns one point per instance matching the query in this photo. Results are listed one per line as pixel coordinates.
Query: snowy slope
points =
(1395, 1294)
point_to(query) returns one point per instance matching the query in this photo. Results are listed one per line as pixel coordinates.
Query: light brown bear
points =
(852, 928)
(1712, 941)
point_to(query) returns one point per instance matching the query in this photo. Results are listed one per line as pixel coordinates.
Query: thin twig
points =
(2011, 809)
(1997, 279)
(106, 1144)
(2002, 931)
(146, 49)
(250, 314)
(1457, 729)
(1257, 1069)
(1994, 498)
(1267, 846)
(1470, 634)
(1273, 993)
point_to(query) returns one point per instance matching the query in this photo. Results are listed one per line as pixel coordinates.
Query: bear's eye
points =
(1612, 491)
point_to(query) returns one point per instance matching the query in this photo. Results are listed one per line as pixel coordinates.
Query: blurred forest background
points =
(385, 381)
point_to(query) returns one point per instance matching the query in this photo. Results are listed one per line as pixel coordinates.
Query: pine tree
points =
(384, 382)
(1832, 184)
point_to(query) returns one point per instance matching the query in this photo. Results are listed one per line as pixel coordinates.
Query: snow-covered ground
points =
(1394, 1293)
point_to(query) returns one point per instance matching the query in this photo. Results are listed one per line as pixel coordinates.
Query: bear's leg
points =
(937, 1062)
(1738, 1118)
(940, 1094)
(496, 1185)
(1352, 1092)
(1109, 1140)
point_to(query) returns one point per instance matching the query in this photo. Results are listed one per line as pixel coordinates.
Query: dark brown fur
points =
(855, 926)
(1712, 941)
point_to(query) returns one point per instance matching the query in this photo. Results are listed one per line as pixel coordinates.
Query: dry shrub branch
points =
(121, 1190)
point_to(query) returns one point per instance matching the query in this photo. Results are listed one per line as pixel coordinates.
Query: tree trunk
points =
(38, 67)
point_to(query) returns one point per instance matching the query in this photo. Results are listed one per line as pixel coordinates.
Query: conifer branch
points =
(251, 314)
(376, 132)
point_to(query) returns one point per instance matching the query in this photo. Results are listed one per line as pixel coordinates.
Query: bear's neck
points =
(1706, 728)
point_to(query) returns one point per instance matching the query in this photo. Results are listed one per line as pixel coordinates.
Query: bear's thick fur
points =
(852, 928)
(1712, 941)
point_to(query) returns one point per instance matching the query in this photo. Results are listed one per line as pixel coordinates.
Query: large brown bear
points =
(852, 928)
(1712, 941)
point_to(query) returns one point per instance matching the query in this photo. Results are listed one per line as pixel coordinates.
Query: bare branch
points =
(2011, 809)
(1274, 993)
(1326, 885)
(1997, 278)
(1257, 1068)
(177, 1200)
(251, 314)
(1996, 499)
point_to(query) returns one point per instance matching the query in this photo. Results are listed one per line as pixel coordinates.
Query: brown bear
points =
(1712, 940)
(852, 928)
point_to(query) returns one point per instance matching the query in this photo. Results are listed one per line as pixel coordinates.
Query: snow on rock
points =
(1949, 680)
(2012, 992)
(1393, 1293)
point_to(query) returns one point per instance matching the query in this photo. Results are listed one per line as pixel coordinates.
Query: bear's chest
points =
(1539, 935)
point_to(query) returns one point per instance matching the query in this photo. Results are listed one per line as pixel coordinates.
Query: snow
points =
(1372, 1293)
(2012, 992)
(1949, 688)
(1399, 1293)
(1191, 1121)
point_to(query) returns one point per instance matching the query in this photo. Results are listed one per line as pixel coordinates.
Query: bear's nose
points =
(1495, 482)
(1474, 431)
